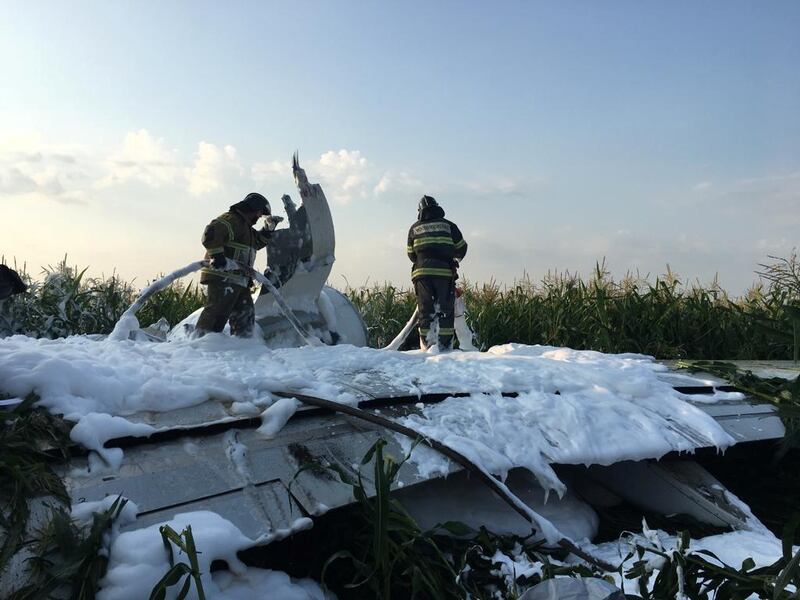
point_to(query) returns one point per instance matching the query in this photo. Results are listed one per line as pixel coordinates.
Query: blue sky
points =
(555, 134)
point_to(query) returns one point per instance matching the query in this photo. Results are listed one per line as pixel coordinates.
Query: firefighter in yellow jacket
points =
(435, 245)
(231, 235)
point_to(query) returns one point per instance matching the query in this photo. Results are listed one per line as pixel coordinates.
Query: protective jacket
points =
(232, 235)
(10, 282)
(434, 244)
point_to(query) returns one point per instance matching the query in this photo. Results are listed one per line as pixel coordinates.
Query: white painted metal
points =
(745, 420)
(315, 261)
(674, 487)
(348, 322)
(311, 230)
(302, 256)
(193, 472)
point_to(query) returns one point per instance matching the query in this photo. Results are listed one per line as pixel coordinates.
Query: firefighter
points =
(435, 245)
(10, 282)
(231, 235)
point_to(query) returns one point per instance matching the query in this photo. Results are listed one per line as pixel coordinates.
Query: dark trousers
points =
(436, 298)
(227, 302)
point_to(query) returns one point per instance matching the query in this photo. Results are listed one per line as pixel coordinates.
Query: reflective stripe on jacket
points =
(231, 235)
(433, 246)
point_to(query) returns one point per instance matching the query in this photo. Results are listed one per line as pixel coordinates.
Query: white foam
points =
(138, 560)
(276, 416)
(575, 407)
(730, 548)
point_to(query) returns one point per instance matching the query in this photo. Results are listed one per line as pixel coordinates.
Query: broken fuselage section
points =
(300, 259)
(299, 262)
(189, 465)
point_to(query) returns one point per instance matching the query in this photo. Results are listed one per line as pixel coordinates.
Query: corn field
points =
(378, 549)
(63, 301)
(663, 318)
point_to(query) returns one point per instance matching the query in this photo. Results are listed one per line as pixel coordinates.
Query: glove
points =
(272, 221)
(218, 261)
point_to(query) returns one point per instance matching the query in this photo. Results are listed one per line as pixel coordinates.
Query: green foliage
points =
(701, 575)
(783, 274)
(396, 558)
(473, 551)
(66, 302)
(190, 573)
(664, 318)
(386, 555)
(67, 556)
(385, 310)
(31, 441)
(174, 304)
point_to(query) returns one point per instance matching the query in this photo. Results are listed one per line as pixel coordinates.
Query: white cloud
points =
(400, 182)
(273, 170)
(770, 199)
(703, 185)
(345, 175)
(523, 185)
(774, 245)
(32, 168)
(146, 159)
(14, 181)
(383, 186)
(499, 187)
(142, 158)
(213, 168)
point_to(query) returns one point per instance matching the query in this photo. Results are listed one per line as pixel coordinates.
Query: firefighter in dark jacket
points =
(231, 235)
(435, 245)
(10, 283)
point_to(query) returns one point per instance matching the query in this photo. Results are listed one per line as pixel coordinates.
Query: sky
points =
(555, 134)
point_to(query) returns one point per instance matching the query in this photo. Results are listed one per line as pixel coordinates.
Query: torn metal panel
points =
(746, 421)
(784, 369)
(259, 491)
(259, 509)
(189, 464)
(673, 487)
(305, 251)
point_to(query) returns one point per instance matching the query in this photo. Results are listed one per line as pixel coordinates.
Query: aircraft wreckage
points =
(191, 458)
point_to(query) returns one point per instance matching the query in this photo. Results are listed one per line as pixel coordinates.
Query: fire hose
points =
(128, 322)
